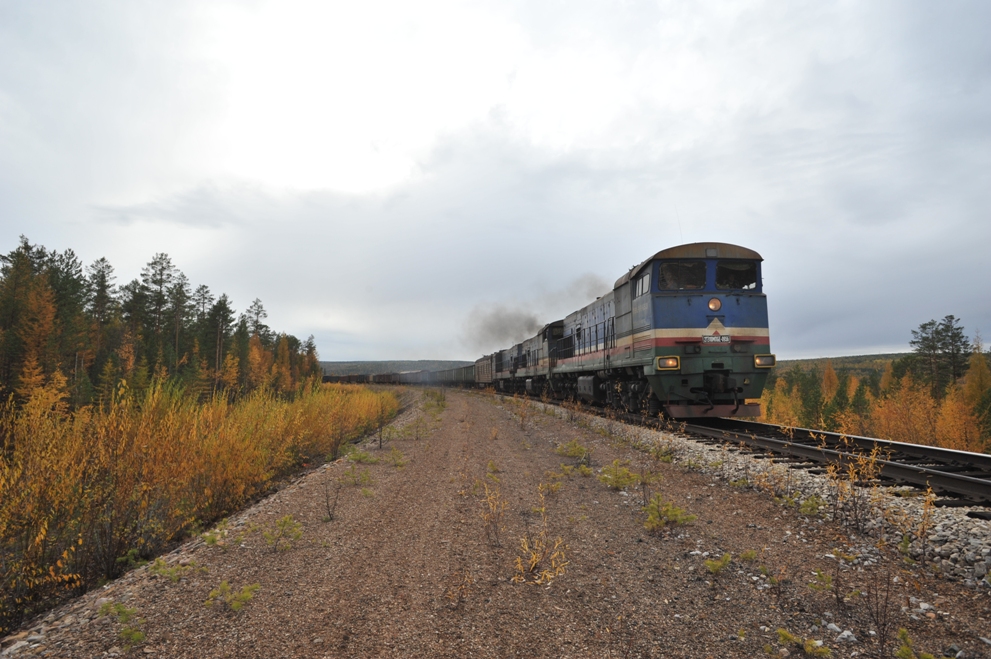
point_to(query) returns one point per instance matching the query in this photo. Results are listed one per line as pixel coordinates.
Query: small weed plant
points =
(216, 536)
(234, 599)
(131, 559)
(541, 559)
(821, 581)
(663, 453)
(286, 532)
(906, 651)
(806, 646)
(396, 456)
(749, 556)
(661, 513)
(574, 449)
(362, 457)
(812, 505)
(493, 511)
(131, 633)
(458, 593)
(353, 477)
(617, 476)
(717, 565)
(173, 573)
(882, 607)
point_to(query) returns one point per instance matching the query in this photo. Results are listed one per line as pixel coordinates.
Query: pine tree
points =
(102, 304)
(221, 318)
(956, 347)
(180, 306)
(18, 269)
(255, 314)
(928, 345)
(941, 350)
(156, 279)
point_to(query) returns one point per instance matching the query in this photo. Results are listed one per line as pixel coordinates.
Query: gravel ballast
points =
(406, 569)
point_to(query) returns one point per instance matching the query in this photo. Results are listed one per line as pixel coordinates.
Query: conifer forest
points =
(132, 415)
(939, 395)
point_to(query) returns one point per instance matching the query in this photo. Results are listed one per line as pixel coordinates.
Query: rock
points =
(317, 641)
(846, 637)
(783, 652)
(35, 638)
(14, 649)
(833, 627)
(986, 640)
(13, 638)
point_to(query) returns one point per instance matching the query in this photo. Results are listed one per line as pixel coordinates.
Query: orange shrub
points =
(80, 490)
(907, 414)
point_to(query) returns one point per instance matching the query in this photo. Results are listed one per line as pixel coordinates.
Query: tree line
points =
(940, 394)
(59, 319)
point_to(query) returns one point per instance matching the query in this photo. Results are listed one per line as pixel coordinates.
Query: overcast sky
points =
(405, 179)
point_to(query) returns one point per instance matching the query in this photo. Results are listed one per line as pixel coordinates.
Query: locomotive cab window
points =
(736, 275)
(643, 286)
(681, 276)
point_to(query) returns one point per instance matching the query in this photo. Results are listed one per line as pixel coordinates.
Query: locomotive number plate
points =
(715, 338)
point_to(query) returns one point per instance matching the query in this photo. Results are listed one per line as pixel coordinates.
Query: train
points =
(683, 334)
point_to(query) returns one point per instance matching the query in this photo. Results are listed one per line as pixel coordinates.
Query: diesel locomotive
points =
(684, 334)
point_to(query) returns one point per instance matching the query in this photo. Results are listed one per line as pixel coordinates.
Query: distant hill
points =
(859, 365)
(399, 366)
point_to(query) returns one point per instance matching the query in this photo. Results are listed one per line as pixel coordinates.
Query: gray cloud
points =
(850, 145)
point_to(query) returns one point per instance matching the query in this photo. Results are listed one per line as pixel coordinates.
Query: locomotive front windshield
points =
(736, 275)
(681, 275)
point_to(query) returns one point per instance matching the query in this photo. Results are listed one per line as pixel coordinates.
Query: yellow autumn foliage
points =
(79, 489)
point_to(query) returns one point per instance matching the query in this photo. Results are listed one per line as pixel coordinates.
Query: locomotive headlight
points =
(669, 363)
(715, 304)
(764, 361)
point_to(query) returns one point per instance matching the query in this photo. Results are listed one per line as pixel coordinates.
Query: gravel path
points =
(405, 568)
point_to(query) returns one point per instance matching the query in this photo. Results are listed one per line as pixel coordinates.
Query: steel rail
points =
(977, 490)
(942, 455)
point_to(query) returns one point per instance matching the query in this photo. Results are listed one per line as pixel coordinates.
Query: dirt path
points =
(405, 569)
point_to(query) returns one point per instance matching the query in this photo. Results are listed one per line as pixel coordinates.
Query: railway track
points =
(962, 475)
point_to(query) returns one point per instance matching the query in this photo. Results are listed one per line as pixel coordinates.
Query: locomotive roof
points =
(694, 251)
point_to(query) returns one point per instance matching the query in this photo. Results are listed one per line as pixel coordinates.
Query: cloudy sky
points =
(399, 178)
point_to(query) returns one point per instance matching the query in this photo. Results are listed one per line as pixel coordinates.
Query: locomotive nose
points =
(718, 383)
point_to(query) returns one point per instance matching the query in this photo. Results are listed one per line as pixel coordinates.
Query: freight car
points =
(684, 333)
